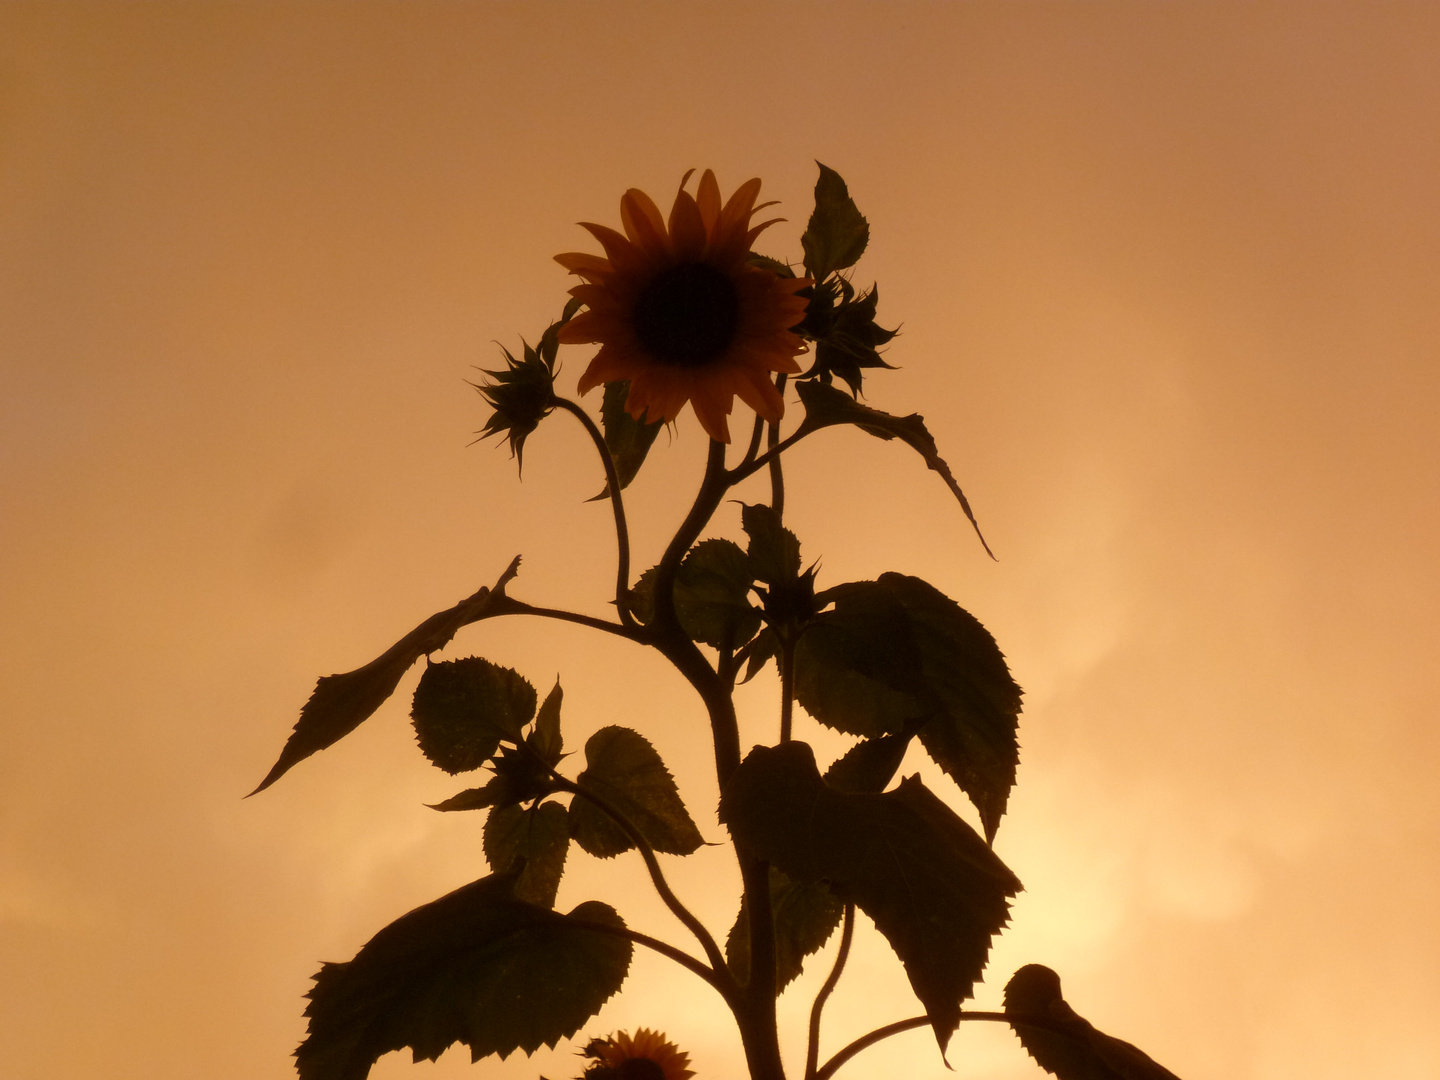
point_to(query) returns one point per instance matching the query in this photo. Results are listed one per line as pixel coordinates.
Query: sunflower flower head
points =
(682, 312)
(647, 1055)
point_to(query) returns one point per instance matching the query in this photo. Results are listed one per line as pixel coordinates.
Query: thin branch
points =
(657, 877)
(612, 485)
(680, 957)
(900, 1026)
(786, 662)
(744, 469)
(867, 1041)
(508, 605)
(754, 447)
(847, 933)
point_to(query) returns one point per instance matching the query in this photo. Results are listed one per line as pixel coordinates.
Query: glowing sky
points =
(1167, 275)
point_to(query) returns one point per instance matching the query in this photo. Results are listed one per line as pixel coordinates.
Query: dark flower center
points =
(688, 315)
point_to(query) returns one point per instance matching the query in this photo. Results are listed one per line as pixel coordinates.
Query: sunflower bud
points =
(522, 394)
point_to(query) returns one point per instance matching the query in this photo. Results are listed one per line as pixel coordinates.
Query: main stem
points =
(755, 1009)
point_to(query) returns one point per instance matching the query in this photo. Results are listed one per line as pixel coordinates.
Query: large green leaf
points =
(826, 406)
(897, 653)
(539, 838)
(341, 703)
(463, 708)
(627, 439)
(476, 967)
(805, 914)
(836, 235)
(930, 883)
(623, 769)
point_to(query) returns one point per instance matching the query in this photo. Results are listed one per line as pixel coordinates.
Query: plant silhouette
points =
(685, 312)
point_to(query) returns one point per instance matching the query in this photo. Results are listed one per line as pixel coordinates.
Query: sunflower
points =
(682, 313)
(645, 1056)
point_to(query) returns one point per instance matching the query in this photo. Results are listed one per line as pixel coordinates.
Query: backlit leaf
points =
(826, 406)
(623, 769)
(897, 654)
(837, 232)
(773, 550)
(628, 440)
(463, 708)
(805, 915)
(341, 703)
(540, 836)
(870, 764)
(930, 884)
(477, 967)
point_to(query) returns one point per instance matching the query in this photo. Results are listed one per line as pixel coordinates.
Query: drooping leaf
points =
(623, 770)
(463, 708)
(870, 764)
(628, 440)
(837, 232)
(897, 654)
(773, 550)
(341, 703)
(927, 880)
(494, 792)
(805, 915)
(763, 648)
(476, 967)
(545, 739)
(540, 836)
(826, 406)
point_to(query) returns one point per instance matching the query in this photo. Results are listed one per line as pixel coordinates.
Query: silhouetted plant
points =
(685, 311)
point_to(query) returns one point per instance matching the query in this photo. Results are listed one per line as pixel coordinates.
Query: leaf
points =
(712, 595)
(761, 650)
(773, 550)
(476, 967)
(870, 764)
(826, 406)
(837, 233)
(628, 440)
(341, 703)
(898, 654)
(805, 915)
(623, 769)
(463, 708)
(712, 587)
(926, 879)
(545, 739)
(494, 792)
(540, 837)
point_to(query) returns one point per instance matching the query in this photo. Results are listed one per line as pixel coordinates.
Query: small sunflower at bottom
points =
(647, 1055)
(682, 312)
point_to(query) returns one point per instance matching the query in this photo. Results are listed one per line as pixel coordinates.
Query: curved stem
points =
(847, 934)
(754, 447)
(787, 689)
(777, 476)
(657, 878)
(749, 468)
(868, 1040)
(680, 957)
(612, 485)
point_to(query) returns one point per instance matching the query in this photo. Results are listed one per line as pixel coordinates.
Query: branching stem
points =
(680, 957)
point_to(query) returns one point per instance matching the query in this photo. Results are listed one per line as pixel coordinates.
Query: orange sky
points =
(1167, 276)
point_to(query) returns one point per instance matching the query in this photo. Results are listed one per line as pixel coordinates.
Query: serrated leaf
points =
(712, 589)
(837, 232)
(494, 792)
(623, 769)
(805, 914)
(870, 764)
(540, 836)
(762, 649)
(341, 703)
(926, 879)
(826, 406)
(545, 739)
(897, 654)
(476, 967)
(773, 550)
(464, 708)
(712, 595)
(628, 440)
